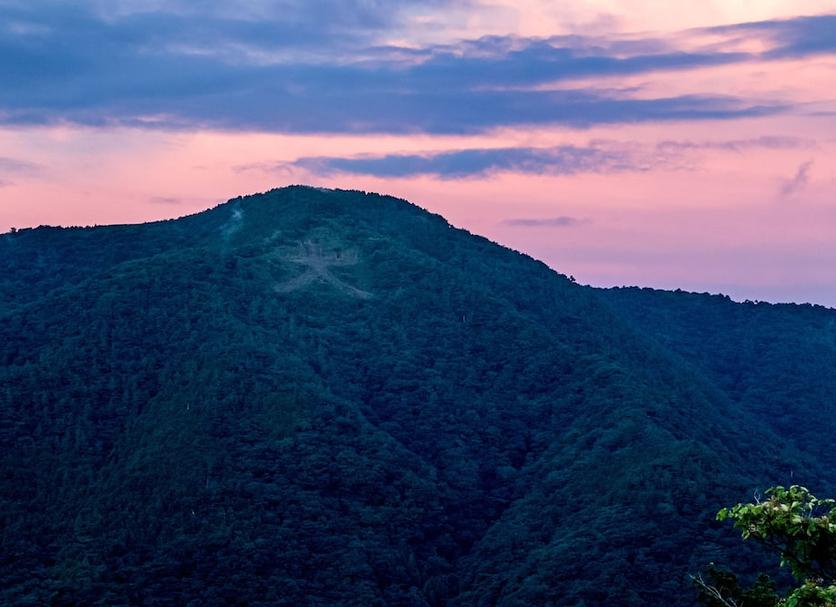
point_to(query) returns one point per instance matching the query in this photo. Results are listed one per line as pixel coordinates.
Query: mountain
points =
(777, 362)
(333, 398)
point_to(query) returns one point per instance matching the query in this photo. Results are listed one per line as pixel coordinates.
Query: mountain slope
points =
(777, 362)
(313, 397)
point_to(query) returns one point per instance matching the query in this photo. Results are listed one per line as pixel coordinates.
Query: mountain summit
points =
(327, 398)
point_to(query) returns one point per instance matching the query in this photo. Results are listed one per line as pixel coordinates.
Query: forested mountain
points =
(317, 397)
(778, 362)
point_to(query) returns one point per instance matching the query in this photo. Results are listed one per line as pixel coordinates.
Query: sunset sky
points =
(686, 144)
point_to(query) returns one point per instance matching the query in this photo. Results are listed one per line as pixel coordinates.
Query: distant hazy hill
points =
(314, 397)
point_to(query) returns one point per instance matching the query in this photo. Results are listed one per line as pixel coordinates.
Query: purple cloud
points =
(598, 157)
(798, 182)
(562, 221)
(276, 66)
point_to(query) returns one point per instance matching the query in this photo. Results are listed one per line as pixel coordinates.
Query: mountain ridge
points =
(475, 431)
(15, 233)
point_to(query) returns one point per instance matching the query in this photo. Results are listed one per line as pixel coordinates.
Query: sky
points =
(638, 142)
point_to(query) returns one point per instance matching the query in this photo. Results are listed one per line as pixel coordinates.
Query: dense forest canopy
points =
(319, 397)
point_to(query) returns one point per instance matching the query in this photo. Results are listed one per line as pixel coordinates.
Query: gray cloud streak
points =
(789, 38)
(167, 200)
(597, 157)
(14, 165)
(11, 168)
(798, 182)
(739, 145)
(563, 221)
(456, 164)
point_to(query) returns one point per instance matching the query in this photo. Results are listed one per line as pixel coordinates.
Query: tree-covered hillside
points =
(777, 362)
(316, 397)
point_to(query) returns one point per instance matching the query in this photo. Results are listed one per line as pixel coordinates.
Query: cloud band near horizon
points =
(603, 157)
